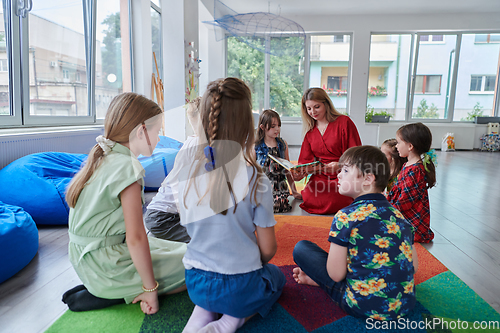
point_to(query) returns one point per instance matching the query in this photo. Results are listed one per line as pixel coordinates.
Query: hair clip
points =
(210, 155)
(428, 157)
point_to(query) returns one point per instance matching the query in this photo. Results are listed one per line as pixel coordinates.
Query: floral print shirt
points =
(379, 280)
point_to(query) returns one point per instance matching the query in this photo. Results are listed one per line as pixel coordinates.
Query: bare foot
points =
(302, 278)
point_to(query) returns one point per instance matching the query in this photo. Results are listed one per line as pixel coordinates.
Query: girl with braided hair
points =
(225, 202)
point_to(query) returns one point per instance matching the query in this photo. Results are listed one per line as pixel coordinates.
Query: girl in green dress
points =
(108, 245)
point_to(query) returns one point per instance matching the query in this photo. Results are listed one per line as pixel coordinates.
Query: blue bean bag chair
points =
(159, 164)
(18, 240)
(38, 183)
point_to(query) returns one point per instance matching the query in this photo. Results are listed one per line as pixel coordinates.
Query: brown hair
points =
(397, 161)
(368, 159)
(226, 115)
(420, 137)
(266, 119)
(317, 94)
(125, 112)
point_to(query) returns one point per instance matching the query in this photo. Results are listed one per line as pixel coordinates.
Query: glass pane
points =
(247, 64)
(388, 76)
(475, 82)
(4, 68)
(57, 67)
(435, 65)
(156, 2)
(287, 78)
(489, 83)
(329, 64)
(113, 72)
(477, 75)
(156, 41)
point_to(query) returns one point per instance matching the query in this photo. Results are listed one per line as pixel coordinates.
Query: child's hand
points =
(297, 195)
(149, 302)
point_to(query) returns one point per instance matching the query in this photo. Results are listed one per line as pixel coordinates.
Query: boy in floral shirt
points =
(369, 268)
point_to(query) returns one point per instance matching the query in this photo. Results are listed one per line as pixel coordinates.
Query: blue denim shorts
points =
(238, 295)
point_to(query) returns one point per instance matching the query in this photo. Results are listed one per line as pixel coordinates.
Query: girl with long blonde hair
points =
(108, 246)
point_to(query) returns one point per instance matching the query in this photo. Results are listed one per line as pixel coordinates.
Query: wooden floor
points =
(465, 216)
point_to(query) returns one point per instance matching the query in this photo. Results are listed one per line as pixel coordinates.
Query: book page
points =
(290, 166)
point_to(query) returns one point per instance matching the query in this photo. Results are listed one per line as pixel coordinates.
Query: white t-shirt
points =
(225, 244)
(164, 200)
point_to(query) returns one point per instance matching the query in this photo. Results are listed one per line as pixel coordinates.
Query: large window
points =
(57, 59)
(453, 77)
(247, 64)
(329, 67)
(113, 62)
(56, 67)
(477, 77)
(283, 90)
(388, 76)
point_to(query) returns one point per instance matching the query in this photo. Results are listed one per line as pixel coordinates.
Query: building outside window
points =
(428, 84)
(482, 83)
(329, 67)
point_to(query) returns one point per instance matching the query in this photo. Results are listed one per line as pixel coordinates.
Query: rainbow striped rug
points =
(445, 303)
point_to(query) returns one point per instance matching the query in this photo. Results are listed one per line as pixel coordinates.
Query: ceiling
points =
(360, 7)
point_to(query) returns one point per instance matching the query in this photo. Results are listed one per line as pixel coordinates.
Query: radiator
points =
(14, 146)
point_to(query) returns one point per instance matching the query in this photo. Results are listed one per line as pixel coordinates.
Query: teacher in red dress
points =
(328, 134)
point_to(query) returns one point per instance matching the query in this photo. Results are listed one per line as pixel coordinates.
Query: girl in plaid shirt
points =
(409, 193)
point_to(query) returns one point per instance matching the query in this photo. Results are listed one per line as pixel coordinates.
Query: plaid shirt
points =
(409, 196)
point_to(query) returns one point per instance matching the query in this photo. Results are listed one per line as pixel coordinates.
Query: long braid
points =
(213, 116)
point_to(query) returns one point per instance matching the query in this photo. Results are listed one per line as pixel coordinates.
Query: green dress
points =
(97, 247)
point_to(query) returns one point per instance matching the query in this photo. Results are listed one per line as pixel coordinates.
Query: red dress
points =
(321, 192)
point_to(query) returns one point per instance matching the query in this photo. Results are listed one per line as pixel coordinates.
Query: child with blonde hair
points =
(269, 142)
(108, 245)
(409, 194)
(395, 161)
(226, 205)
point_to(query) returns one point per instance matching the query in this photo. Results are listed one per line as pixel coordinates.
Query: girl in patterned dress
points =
(395, 161)
(409, 194)
(269, 142)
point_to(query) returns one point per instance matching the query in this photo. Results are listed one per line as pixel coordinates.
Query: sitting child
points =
(395, 161)
(162, 216)
(269, 142)
(369, 269)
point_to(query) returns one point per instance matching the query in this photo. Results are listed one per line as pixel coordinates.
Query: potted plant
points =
(376, 117)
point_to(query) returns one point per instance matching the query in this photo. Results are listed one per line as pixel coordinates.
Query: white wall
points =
(361, 26)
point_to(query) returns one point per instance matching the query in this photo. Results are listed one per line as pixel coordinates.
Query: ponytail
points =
(78, 182)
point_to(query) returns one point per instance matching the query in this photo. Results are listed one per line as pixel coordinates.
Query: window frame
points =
(452, 83)
(17, 49)
(307, 66)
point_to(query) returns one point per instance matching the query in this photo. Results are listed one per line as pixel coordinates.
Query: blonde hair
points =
(317, 94)
(125, 112)
(226, 115)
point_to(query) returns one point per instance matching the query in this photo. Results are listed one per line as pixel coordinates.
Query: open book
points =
(290, 166)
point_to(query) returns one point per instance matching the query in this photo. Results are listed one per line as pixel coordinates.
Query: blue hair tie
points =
(210, 155)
